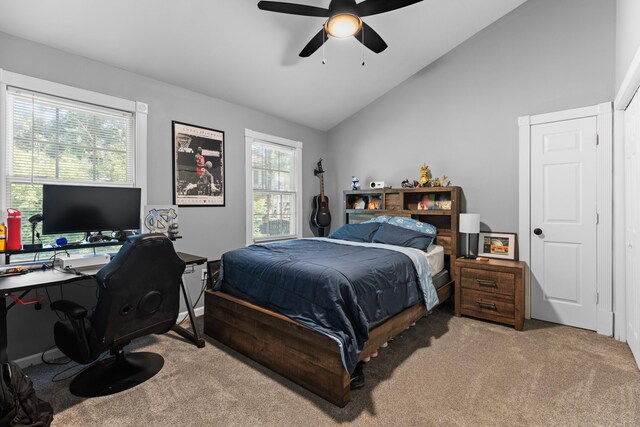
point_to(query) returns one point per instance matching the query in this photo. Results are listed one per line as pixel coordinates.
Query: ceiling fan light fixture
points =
(343, 25)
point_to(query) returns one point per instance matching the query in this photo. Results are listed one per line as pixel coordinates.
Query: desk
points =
(48, 248)
(42, 278)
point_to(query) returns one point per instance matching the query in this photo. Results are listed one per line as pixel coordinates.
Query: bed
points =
(252, 309)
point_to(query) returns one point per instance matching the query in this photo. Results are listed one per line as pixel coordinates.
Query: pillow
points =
(414, 225)
(356, 232)
(399, 236)
(381, 218)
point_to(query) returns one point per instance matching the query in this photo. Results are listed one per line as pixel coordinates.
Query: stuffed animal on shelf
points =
(407, 184)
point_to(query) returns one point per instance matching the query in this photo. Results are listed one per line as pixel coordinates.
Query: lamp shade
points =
(469, 223)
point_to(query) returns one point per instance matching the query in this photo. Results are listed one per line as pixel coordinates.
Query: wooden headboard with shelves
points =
(439, 206)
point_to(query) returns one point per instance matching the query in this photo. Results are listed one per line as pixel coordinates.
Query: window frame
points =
(251, 137)
(139, 110)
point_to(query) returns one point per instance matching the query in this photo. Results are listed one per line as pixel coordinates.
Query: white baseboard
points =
(55, 353)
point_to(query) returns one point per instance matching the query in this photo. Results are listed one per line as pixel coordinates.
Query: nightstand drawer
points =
(488, 281)
(487, 305)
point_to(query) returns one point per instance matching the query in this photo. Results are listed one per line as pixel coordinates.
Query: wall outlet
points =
(204, 274)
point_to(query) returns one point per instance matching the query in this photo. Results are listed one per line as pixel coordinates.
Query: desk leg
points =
(3, 330)
(194, 336)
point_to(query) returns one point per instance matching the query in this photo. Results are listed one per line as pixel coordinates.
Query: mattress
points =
(435, 258)
(441, 279)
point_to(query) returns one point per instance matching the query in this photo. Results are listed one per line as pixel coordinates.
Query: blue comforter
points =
(335, 287)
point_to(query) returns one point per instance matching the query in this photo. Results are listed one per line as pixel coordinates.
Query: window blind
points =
(52, 140)
(274, 191)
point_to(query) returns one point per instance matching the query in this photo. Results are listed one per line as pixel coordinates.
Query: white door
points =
(563, 222)
(632, 235)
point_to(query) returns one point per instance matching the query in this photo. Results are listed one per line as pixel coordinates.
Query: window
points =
(54, 134)
(274, 182)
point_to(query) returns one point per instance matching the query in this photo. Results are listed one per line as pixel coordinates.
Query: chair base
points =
(115, 374)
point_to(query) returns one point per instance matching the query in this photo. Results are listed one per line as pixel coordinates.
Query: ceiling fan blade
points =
(314, 44)
(374, 7)
(293, 9)
(372, 40)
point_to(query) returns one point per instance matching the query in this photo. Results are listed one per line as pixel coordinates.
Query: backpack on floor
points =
(19, 405)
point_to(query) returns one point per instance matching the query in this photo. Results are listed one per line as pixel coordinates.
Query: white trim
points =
(248, 133)
(604, 284)
(68, 92)
(248, 193)
(140, 180)
(629, 85)
(139, 110)
(250, 137)
(524, 206)
(576, 113)
(3, 146)
(604, 229)
(55, 353)
(619, 247)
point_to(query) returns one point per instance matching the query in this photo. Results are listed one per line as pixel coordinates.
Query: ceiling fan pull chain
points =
(324, 61)
(363, 46)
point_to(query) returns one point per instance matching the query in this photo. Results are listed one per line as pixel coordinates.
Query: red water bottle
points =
(14, 231)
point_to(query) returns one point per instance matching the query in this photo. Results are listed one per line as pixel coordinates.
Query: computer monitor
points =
(79, 208)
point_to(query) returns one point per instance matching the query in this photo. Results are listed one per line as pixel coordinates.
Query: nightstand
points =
(492, 289)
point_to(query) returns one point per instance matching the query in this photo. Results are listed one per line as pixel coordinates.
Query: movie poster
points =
(198, 161)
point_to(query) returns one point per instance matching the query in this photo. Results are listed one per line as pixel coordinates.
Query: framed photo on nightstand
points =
(497, 245)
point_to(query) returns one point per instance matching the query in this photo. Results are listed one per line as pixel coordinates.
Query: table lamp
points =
(469, 224)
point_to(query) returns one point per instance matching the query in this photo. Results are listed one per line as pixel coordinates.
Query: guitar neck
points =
(322, 186)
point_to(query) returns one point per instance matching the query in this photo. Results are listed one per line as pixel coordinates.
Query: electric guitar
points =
(320, 216)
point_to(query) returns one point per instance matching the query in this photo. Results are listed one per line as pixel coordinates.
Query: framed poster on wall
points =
(198, 165)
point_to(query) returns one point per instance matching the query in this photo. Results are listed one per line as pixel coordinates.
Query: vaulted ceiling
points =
(229, 49)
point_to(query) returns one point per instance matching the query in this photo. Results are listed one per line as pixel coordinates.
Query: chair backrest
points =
(138, 291)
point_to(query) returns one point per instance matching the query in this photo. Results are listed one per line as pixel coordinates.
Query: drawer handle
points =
(486, 304)
(487, 283)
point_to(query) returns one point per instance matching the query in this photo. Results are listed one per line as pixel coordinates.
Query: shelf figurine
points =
(355, 183)
(441, 182)
(425, 176)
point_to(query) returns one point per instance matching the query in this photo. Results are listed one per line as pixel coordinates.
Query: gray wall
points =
(627, 35)
(206, 231)
(459, 114)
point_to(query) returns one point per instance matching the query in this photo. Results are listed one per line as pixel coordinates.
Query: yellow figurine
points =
(424, 175)
(441, 182)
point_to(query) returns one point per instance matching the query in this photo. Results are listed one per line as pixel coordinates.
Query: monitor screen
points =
(78, 208)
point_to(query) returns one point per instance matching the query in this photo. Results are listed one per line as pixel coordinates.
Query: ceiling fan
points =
(344, 20)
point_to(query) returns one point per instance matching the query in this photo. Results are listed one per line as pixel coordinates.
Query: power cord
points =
(63, 317)
(55, 378)
(204, 286)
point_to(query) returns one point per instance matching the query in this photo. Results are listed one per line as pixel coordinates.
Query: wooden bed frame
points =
(296, 352)
(307, 357)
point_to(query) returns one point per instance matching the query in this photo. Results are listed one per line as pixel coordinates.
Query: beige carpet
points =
(444, 371)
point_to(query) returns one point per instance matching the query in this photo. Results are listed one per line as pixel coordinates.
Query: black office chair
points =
(138, 294)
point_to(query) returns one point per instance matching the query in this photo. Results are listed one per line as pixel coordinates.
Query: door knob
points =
(537, 231)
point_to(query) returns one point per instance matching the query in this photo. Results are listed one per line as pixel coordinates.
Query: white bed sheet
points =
(435, 258)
